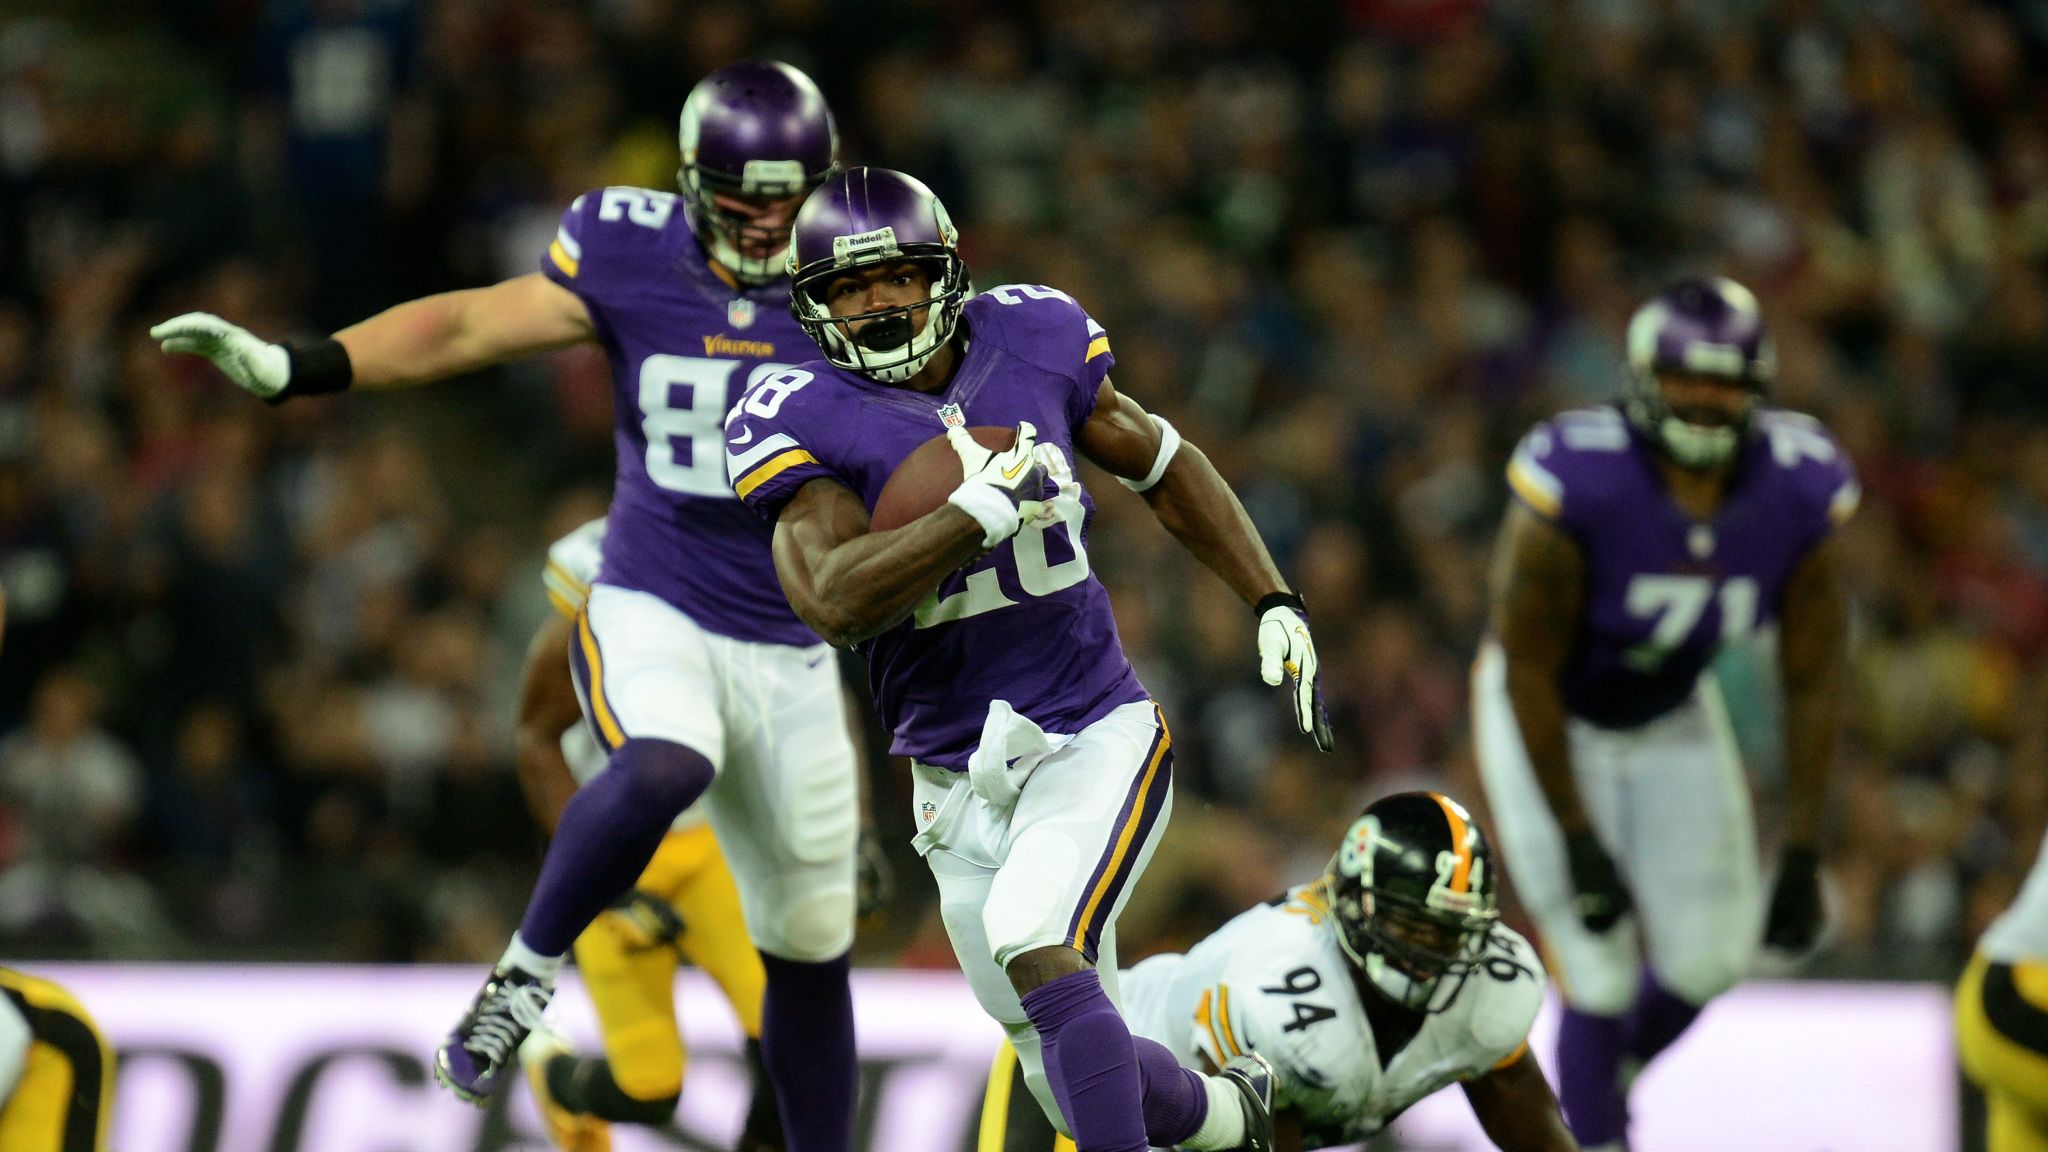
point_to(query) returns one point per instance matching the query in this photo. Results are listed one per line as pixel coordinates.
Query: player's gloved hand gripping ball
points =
(1287, 650)
(273, 372)
(1000, 489)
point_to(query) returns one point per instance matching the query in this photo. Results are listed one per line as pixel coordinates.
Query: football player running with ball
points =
(1642, 536)
(1385, 979)
(1043, 772)
(694, 666)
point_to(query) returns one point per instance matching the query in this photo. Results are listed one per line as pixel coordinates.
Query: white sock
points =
(1224, 1127)
(518, 955)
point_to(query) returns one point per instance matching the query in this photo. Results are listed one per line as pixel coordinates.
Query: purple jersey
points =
(1663, 590)
(684, 345)
(1027, 623)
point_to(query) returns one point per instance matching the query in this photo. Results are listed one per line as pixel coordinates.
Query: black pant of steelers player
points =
(56, 1070)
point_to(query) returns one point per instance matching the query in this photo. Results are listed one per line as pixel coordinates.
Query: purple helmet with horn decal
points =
(860, 218)
(757, 129)
(1705, 326)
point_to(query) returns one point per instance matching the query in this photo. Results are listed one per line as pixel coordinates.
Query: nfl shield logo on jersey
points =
(952, 417)
(740, 313)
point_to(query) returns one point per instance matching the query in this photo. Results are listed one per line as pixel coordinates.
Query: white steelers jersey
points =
(572, 567)
(1273, 980)
(2021, 932)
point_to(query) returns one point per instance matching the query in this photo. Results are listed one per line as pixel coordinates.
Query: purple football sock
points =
(1176, 1103)
(608, 832)
(1589, 1051)
(1657, 1020)
(1090, 1063)
(807, 1049)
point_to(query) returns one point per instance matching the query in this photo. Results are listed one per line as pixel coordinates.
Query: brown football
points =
(927, 476)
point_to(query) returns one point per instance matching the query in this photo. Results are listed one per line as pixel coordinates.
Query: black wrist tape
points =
(319, 366)
(1273, 600)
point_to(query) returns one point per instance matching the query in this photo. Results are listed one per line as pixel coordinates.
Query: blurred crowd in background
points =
(256, 692)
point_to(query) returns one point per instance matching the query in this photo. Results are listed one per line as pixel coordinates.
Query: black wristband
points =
(1272, 600)
(316, 367)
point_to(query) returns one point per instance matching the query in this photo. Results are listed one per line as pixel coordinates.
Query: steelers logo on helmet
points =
(757, 131)
(1706, 327)
(1414, 897)
(862, 218)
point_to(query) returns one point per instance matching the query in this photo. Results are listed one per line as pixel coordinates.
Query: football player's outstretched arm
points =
(412, 343)
(848, 583)
(547, 708)
(1515, 1107)
(1812, 651)
(435, 337)
(1196, 505)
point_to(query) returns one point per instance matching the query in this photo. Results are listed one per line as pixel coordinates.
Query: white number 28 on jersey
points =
(1036, 574)
(683, 403)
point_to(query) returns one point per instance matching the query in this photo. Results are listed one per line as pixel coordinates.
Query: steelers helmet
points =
(1414, 896)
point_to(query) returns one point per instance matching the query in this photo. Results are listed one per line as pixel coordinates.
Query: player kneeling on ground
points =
(1382, 981)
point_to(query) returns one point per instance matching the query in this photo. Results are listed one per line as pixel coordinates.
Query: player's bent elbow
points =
(841, 618)
(834, 626)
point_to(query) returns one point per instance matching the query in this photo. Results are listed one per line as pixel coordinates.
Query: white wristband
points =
(990, 508)
(1169, 443)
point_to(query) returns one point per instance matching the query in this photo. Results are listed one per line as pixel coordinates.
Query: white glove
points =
(260, 367)
(1285, 649)
(999, 489)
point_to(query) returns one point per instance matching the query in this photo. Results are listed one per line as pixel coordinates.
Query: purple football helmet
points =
(1706, 326)
(757, 129)
(860, 218)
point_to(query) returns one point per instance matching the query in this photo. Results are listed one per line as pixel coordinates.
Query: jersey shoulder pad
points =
(774, 435)
(573, 562)
(1566, 467)
(1048, 329)
(1502, 996)
(607, 233)
(1285, 997)
(1812, 465)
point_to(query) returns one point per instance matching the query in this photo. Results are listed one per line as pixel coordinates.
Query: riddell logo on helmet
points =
(881, 241)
